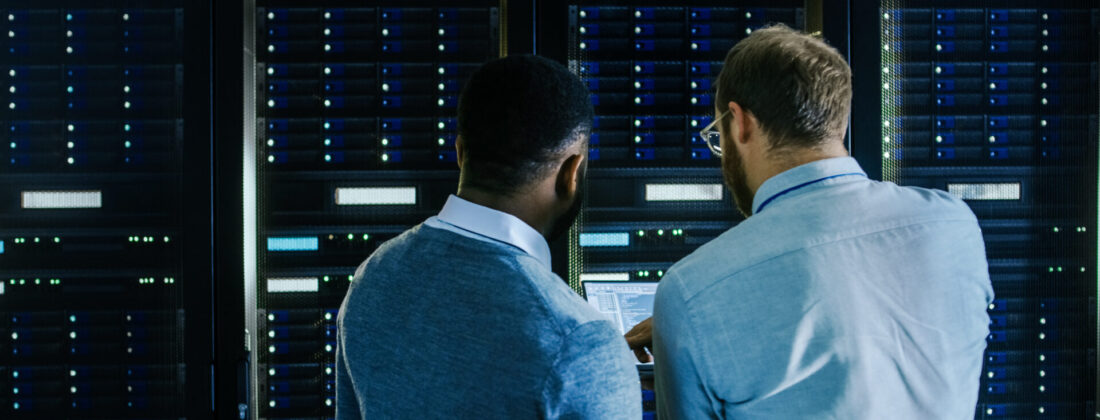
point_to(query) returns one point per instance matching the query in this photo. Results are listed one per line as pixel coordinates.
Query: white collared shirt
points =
(482, 223)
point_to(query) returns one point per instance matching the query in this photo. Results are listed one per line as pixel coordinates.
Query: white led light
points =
(376, 195)
(441, 47)
(582, 29)
(69, 145)
(328, 15)
(70, 127)
(985, 191)
(939, 47)
(126, 88)
(68, 50)
(11, 34)
(1044, 101)
(683, 192)
(11, 105)
(328, 31)
(885, 139)
(11, 89)
(270, 70)
(441, 141)
(886, 16)
(271, 15)
(440, 102)
(328, 103)
(939, 69)
(270, 142)
(442, 32)
(992, 139)
(125, 16)
(328, 47)
(126, 104)
(886, 86)
(637, 13)
(748, 15)
(270, 103)
(583, 45)
(441, 70)
(1046, 48)
(637, 29)
(605, 277)
(1046, 33)
(270, 158)
(885, 47)
(271, 48)
(1043, 85)
(271, 372)
(885, 155)
(441, 86)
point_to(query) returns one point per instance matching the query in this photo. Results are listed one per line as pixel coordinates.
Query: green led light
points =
(641, 233)
(366, 236)
(660, 232)
(56, 239)
(325, 278)
(351, 237)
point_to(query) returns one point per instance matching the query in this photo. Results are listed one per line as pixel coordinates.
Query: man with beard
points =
(838, 297)
(460, 316)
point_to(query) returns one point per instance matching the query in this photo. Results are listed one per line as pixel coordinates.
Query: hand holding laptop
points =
(640, 340)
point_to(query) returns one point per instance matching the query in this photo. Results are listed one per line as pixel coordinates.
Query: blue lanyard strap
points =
(776, 195)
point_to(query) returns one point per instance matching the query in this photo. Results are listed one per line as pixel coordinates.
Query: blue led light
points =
(1, 247)
(292, 243)
(605, 239)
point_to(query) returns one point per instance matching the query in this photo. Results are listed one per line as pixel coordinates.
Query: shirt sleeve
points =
(593, 377)
(681, 393)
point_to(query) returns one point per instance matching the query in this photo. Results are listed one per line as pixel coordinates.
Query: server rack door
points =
(104, 229)
(996, 103)
(654, 191)
(355, 131)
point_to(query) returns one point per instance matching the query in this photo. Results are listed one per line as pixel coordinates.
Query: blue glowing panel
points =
(291, 243)
(604, 239)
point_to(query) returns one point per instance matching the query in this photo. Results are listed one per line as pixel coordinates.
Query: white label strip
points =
(1, 287)
(62, 199)
(292, 284)
(375, 196)
(683, 192)
(1007, 191)
(605, 276)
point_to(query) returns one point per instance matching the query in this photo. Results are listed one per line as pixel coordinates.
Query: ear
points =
(460, 145)
(742, 121)
(568, 178)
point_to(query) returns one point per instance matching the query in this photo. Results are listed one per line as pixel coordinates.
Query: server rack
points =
(104, 215)
(997, 104)
(355, 129)
(654, 191)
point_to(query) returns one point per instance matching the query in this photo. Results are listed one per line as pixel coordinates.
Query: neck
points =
(778, 162)
(521, 207)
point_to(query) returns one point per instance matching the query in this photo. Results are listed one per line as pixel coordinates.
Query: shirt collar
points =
(495, 225)
(795, 178)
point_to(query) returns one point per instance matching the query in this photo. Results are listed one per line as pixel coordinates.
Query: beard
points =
(733, 171)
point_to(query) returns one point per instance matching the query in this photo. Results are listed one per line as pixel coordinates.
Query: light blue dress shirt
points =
(461, 318)
(840, 298)
(485, 224)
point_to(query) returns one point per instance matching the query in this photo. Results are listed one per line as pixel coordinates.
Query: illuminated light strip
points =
(1, 287)
(683, 192)
(605, 276)
(374, 196)
(605, 239)
(992, 191)
(1, 247)
(62, 199)
(292, 243)
(292, 284)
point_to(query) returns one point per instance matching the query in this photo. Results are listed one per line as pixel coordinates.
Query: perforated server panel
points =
(92, 210)
(997, 105)
(654, 192)
(356, 129)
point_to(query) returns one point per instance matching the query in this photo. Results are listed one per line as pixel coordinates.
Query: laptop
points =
(626, 303)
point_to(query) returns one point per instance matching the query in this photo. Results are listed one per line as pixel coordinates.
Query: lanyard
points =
(776, 195)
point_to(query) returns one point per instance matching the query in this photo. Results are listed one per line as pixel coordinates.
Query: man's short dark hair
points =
(798, 87)
(515, 115)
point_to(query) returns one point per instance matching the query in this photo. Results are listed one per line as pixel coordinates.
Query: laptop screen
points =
(625, 302)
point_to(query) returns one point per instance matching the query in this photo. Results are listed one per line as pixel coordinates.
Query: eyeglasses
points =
(711, 136)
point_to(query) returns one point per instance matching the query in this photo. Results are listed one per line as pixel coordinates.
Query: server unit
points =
(101, 221)
(355, 110)
(997, 105)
